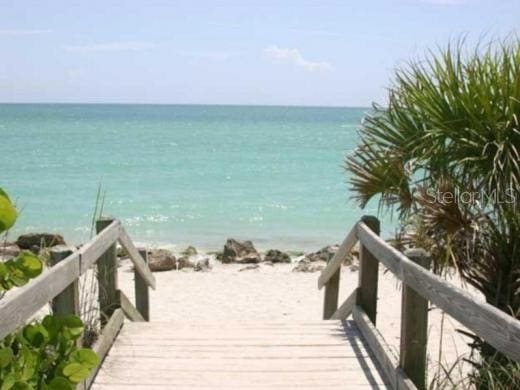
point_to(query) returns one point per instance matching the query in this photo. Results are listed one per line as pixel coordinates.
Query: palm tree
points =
(445, 154)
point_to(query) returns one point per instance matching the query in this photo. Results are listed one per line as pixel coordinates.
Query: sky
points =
(317, 53)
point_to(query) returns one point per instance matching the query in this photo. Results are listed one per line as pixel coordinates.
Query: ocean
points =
(183, 174)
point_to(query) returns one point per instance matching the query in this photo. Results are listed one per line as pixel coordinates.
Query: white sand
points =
(275, 293)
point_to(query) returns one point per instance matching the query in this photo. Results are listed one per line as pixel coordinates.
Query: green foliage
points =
(445, 154)
(8, 213)
(44, 355)
(18, 271)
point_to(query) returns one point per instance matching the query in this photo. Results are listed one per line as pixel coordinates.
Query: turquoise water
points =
(181, 174)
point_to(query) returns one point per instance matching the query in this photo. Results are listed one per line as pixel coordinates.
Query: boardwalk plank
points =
(240, 355)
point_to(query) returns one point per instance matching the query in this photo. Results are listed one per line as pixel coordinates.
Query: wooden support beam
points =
(130, 311)
(66, 302)
(414, 326)
(107, 277)
(346, 308)
(142, 297)
(368, 273)
(330, 300)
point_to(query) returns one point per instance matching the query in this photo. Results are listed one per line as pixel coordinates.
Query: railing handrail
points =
(19, 305)
(496, 327)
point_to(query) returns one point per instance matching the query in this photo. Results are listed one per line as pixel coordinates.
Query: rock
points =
(189, 251)
(249, 267)
(161, 260)
(35, 241)
(324, 254)
(199, 263)
(242, 252)
(306, 265)
(202, 265)
(276, 256)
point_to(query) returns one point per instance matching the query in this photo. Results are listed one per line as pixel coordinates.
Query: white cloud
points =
(294, 56)
(23, 32)
(112, 46)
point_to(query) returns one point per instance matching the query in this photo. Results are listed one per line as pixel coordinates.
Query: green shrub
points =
(42, 355)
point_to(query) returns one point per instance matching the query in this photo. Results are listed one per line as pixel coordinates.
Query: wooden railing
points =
(408, 370)
(59, 285)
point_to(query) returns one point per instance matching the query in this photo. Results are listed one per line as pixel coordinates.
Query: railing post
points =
(142, 299)
(368, 273)
(414, 326)
(66, 302)
(107, 277)
(330, 302)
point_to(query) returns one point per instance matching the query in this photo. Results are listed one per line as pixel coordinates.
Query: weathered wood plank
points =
(382, 352)
(108, 294)
(142, 294)
(497, 328)
(346, 308)
(130, 311)
(139, 263)
(340, 256)
(272, 361)
(19, 305)
(414, 327)
(95, 248)
(368, 272)
(105, 341)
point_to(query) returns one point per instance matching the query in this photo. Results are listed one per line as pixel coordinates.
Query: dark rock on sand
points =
(197, 263)
(305, 265)
(189, 251)
(324, 254)
(249, 267)
(242, 252)
(35, 241)
(276, 256)
(161, 260)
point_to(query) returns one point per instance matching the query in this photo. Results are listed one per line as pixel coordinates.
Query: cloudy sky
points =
(227, 52)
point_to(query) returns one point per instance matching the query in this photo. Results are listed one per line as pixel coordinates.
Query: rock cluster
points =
(276, 256)
(242, 252)
(36, 241)
(316, 261)
(161, 260)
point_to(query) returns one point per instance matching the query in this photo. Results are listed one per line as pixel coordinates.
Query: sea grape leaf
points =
(59, 383)
(36, 335)
(6, 356)
(30, 264)
(8, 213)
(86, 357)
(73, 326)
(20, 385)
(8, 382)
(75, 372)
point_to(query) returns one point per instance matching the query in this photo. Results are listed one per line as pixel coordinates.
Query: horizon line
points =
(184, 104)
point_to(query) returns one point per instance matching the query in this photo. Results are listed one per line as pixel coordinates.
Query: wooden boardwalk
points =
(275, 355)
(339, 352)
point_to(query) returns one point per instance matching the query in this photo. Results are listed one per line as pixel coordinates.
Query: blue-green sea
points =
(182, 174)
